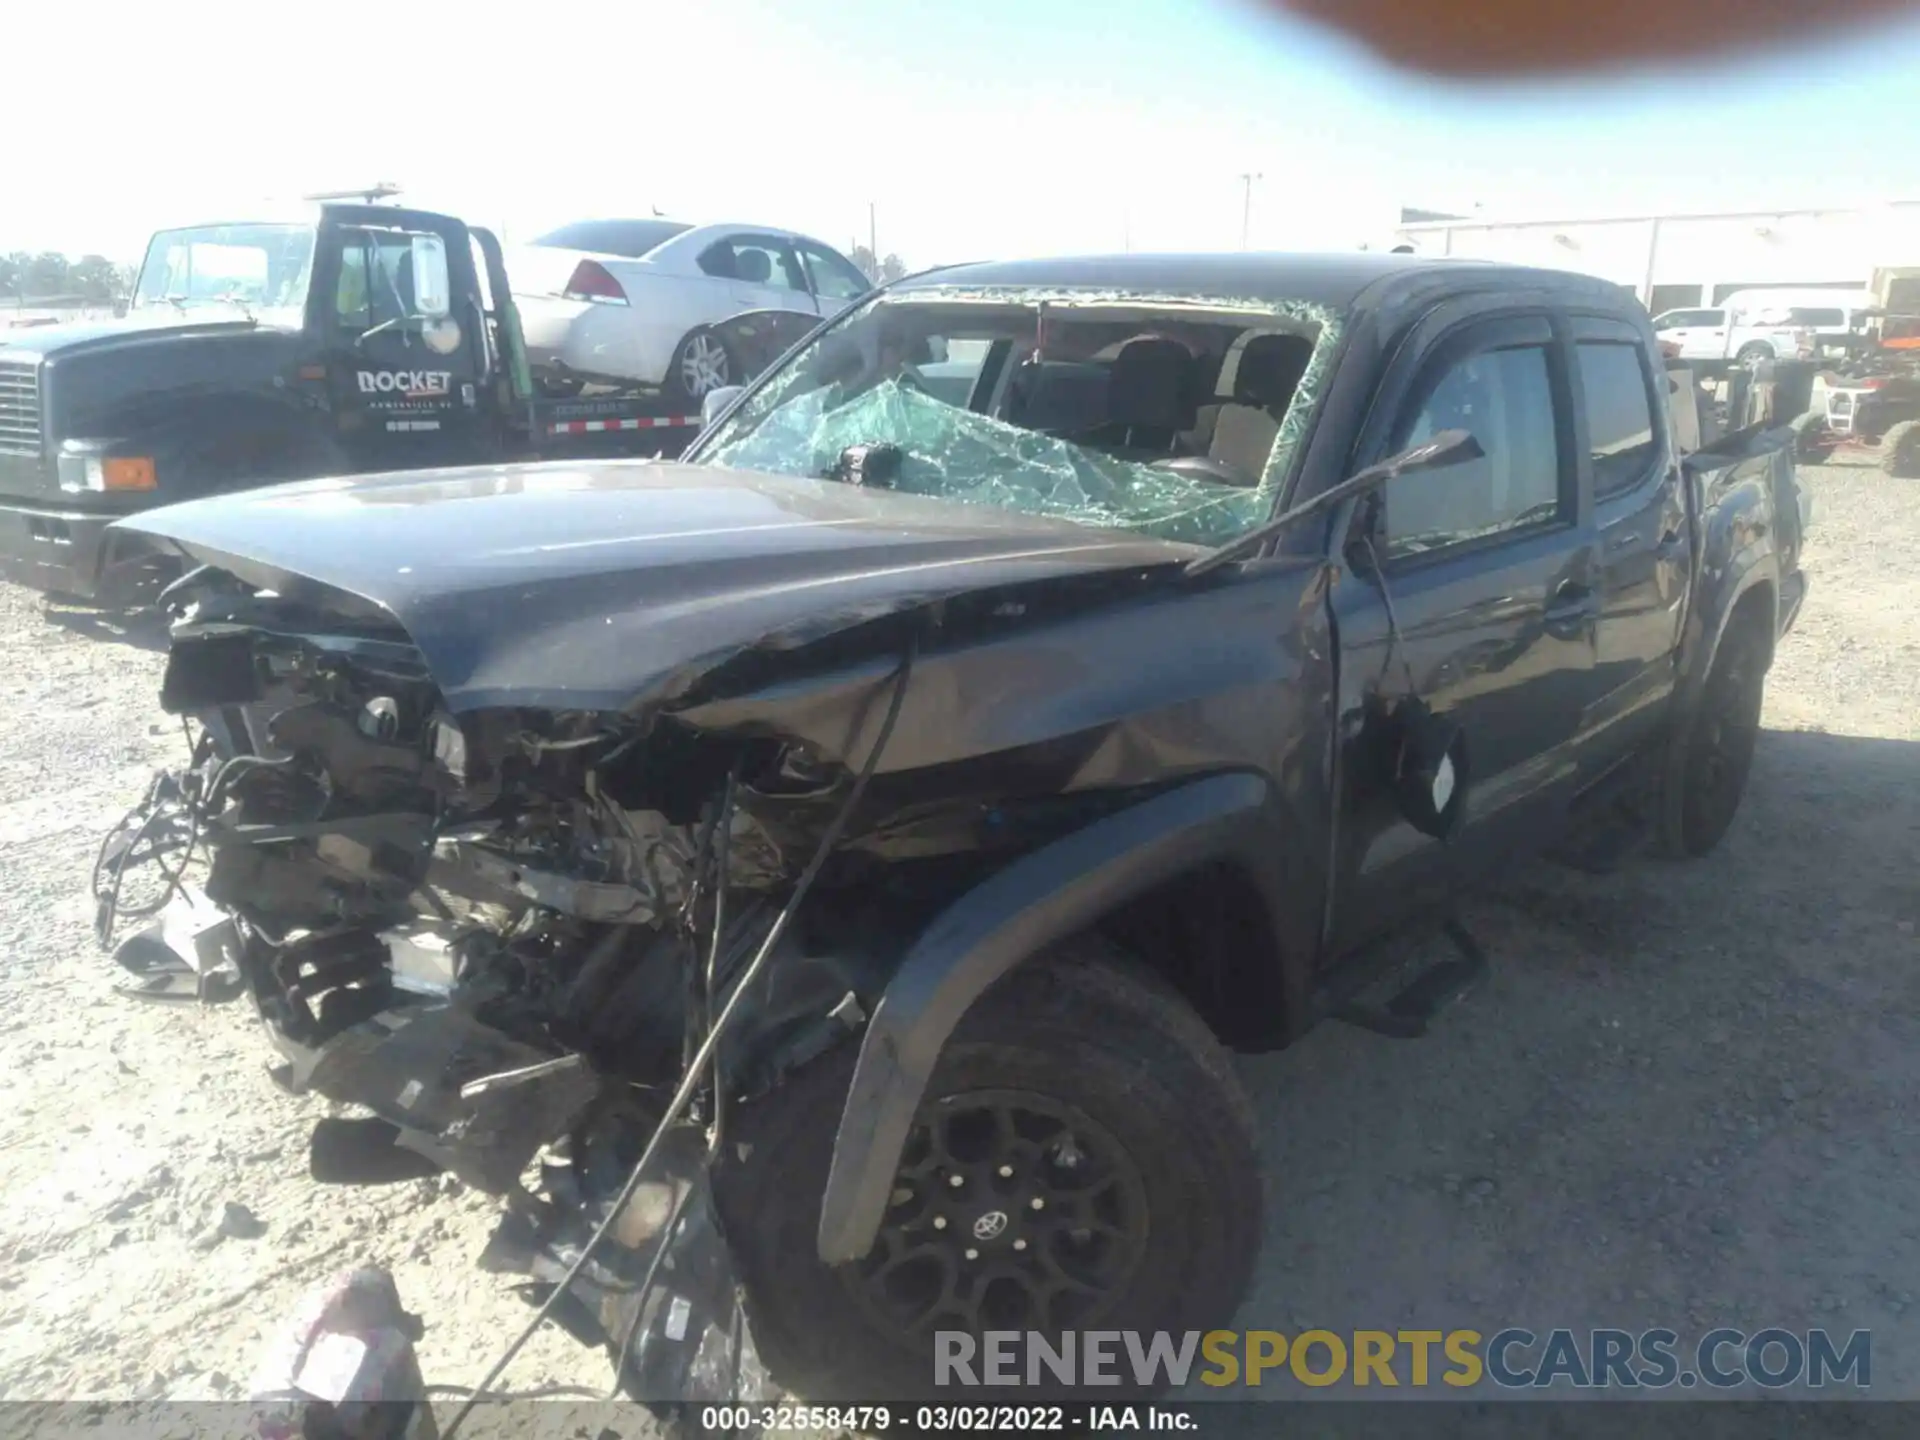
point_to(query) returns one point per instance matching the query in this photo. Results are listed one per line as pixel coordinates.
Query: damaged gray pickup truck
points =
(818, 883)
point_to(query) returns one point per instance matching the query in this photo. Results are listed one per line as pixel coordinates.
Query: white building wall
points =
(1807, 247)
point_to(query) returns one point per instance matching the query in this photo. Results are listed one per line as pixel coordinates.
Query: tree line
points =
(49, 275)
(878, 271)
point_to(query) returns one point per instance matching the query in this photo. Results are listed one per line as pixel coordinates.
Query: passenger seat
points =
(1244, 430)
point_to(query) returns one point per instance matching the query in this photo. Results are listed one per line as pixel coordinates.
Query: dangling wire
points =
(156, 808)
(1396, 642)
(696, 1069)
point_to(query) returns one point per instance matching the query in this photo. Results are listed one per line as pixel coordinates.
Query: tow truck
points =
(350, 335)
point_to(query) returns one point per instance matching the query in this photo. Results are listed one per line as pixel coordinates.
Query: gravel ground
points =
(1684, 1097)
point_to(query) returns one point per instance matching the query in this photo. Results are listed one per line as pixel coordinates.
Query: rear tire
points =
(1752, 355)
(1698, 808)
(701, 363)
(1900, 450)
(1111, 1104)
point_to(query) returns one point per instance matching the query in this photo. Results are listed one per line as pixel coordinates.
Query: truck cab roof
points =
(1335, 280)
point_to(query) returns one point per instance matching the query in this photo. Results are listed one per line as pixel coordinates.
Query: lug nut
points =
(1038, 1203)
(1006, 1172)
(939, 1222)
(1019, 1244)
(956, 1181)
(973, 1254)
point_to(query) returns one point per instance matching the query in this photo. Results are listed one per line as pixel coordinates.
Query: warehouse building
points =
(1675, 261)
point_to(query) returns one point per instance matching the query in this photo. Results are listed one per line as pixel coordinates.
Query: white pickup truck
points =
(1755, 325)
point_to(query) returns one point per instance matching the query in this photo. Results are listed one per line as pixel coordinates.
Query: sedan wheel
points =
(700, 365)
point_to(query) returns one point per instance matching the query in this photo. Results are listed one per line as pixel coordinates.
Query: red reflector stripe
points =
(594, 427)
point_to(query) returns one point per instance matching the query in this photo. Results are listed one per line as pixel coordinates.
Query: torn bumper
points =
(415, 1066)
(661, 1293)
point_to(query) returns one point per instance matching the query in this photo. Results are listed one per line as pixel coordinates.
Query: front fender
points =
(1739, 553)
(1051, 893)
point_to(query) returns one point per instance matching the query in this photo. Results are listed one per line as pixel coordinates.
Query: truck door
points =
(405, 357)
(1488, 568)
(1627, 458)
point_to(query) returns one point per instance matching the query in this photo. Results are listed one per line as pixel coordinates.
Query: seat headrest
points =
(1270, 368)
(756, 266)
(1152, 385)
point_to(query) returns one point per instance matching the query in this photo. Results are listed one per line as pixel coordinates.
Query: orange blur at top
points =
(1531, 37)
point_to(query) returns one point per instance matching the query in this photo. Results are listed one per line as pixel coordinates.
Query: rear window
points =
(1818, 317)
(631, 238)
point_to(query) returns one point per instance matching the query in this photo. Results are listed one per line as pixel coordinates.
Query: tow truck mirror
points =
(715, 401)
(432, 288)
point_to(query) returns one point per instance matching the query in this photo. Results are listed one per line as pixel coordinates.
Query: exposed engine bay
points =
(504, 936)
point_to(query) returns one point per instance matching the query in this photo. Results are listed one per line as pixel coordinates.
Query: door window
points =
(833, 277)
(754, 260)
(376, 279)
(1614, 387)
(1505, 399)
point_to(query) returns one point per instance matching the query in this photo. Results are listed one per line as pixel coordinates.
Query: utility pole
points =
(1246, 204)
(873, 235)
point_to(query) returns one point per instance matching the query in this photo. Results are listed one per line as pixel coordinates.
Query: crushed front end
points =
(500, 936)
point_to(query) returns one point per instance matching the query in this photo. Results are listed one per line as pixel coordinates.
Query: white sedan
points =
(636, 301)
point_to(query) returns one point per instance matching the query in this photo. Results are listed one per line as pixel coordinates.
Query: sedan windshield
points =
(252, 267)
(1172, 417)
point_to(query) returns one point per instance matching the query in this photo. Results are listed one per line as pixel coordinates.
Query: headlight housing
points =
(102, 474)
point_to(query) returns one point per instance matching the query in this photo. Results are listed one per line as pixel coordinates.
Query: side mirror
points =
(717, 400)
(1424, 763)
(432, 286)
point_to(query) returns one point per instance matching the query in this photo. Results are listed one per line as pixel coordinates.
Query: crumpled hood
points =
(615, 585)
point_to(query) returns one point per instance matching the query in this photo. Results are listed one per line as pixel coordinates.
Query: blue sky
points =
(991, 128)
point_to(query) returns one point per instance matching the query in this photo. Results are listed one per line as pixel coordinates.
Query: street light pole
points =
(1246, 204)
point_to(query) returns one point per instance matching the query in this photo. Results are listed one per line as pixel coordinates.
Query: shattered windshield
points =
(1170, 417)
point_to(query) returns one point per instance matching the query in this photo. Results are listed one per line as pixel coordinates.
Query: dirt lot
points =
(1684, 1098)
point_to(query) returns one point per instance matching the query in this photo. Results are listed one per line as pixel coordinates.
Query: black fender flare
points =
(1044, 896)
(1755, 567)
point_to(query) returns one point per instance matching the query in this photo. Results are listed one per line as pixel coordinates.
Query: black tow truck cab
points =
(347, 337)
